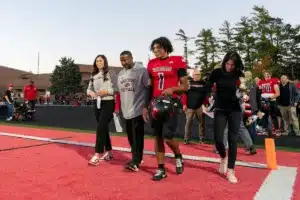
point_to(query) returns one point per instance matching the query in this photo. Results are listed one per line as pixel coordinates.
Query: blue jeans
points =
(9, 109)
(252, 131)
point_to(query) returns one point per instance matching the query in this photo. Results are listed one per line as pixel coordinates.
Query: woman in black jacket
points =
(227, 110)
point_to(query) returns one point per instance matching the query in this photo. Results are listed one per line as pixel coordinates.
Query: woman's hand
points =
(102, 93)
(93, 94)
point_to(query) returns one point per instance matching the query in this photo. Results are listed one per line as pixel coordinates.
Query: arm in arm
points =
(118, 102)
(114, 83)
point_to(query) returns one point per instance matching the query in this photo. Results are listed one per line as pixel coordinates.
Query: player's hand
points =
(145, 115)
(168, 91)
(184, 108)
(93, 94)
(295, 104)
(102, 93)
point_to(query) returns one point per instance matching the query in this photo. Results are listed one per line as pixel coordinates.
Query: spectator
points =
(102, 88)
(8, 99)
(254, 100)
(288, 101)
(195, 97)
(30, 94)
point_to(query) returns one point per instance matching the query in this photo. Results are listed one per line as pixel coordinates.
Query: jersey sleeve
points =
(181, 66)
(179, 62)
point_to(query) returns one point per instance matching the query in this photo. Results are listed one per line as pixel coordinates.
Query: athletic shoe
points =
(186, 141)
(223, 165)
(131, 166)
(252, 150)
(179, 165)
(231, 176)
(107, 156)
(201, 141)
(159, 174)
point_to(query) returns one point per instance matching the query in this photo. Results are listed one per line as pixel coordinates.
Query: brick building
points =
(21, 78)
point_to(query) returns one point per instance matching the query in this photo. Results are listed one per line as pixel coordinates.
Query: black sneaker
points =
(159, 174)
(131, 166)
(252, 150)
(179, 165)
(186, 141)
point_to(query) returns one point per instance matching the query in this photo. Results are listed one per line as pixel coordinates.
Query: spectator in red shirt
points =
(30, 94)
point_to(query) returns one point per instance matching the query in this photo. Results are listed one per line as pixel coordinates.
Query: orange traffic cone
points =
(270, 153)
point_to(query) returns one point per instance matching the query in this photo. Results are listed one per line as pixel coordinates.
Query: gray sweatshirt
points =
(132, 84)
(97, 83)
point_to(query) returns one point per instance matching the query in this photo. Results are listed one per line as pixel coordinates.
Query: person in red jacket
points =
(30, 94)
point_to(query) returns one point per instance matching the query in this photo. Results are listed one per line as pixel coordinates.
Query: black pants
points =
(221, 118)
(135, 135)
(103, 117)
(270, 118)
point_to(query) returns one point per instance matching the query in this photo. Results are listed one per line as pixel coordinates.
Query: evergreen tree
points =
(66, 78)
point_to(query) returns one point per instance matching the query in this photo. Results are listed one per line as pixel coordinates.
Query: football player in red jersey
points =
(165, 72)
(270, 89)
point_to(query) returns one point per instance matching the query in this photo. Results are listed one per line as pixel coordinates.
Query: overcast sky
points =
(83, 29)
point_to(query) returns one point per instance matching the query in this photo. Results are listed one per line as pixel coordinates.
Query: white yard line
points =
(278, 185)
(124, 149)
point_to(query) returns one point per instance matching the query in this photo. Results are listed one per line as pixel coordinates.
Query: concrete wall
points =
(83, 118)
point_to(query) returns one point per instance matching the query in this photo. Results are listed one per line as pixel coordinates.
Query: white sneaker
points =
(223, 165)
(231, 176)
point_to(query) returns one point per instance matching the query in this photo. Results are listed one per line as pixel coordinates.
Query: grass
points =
(288, 149)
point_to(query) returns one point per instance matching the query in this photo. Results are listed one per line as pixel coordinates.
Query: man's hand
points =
(168, 91)
(102, 93)
(145, 115)
(295, 104)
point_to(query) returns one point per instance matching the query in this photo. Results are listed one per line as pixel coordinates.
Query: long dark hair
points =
(105, 67)
(237, 60)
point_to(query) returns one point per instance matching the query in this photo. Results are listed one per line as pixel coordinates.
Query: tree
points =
(207, 51)
(66, 78)
(226, 37)
(245, 42)
(183, 37)
(262, 40)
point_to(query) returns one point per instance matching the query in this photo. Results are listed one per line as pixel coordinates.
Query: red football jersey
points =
(267, 86)
(298, 85)
(164, 73)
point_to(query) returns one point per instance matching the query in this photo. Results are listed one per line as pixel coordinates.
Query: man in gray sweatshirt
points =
(132, 84)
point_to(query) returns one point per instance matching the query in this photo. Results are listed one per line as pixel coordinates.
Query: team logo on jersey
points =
(127, 84)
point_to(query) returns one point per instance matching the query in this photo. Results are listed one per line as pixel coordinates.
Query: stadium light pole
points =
(38, 64)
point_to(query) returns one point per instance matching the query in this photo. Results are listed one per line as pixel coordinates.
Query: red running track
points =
(56, 171)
